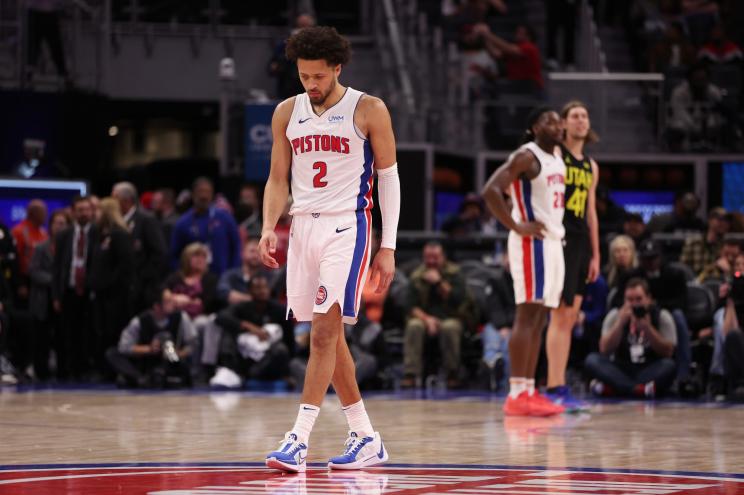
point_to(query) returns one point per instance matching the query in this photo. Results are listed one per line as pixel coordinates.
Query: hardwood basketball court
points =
(185, 442)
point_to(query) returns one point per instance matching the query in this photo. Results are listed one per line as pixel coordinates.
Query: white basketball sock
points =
(517, 385)
(305, 420)
(530, 383)
(358, 420)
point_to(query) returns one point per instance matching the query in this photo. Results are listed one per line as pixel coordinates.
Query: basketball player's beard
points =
(323, 97)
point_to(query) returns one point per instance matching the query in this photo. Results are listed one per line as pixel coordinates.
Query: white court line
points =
(105, 475)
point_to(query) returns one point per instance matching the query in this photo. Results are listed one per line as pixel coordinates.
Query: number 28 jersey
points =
(332, 163)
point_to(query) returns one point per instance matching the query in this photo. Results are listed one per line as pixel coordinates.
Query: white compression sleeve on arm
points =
(388, 192)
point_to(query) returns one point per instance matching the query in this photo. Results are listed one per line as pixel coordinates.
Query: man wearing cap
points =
(635, 228)
(699, 252)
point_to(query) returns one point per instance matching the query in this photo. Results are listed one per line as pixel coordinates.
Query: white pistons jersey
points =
(331, 162)
(332, 176)
(537, 265)
(542, 198)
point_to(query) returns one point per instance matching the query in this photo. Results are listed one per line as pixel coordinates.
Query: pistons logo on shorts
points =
(321, 295)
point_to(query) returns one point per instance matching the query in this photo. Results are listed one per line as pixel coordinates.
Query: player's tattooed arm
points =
(522, 164)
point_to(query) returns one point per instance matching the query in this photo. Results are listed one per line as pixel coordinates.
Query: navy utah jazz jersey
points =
(579, 178)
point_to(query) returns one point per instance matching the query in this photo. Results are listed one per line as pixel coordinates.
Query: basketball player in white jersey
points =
(534, 177)
(330, 140)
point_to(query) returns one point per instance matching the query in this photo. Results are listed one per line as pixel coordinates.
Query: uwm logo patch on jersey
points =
(332, 162)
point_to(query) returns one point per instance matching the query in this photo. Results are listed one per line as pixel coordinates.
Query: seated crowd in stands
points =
(97, 292)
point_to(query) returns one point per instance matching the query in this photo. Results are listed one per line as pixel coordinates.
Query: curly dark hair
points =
(319, 43)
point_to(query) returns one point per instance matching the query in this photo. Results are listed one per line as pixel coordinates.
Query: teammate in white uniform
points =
(330, 140)
(534, 177)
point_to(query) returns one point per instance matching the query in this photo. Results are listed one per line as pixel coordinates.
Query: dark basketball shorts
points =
(577, 253)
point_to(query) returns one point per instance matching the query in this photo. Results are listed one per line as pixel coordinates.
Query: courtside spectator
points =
(193, 288)
(163, 205)
(210, 225)
(71, 290)
(623, 260)
(722, 269)
(258, 337)
(635, 228)
(636, 347)
(700, 251)
(45, 319)
(111, 273)
(149, 245)
(437, 298)
(234, 284)
(682, 218)
(154, 345)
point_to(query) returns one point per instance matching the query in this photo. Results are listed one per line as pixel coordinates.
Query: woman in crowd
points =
(193, 287)
(112, 263)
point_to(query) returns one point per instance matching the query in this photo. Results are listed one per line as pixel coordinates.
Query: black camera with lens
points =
(640, 311)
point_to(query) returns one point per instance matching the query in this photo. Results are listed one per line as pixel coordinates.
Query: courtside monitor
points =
(15, 194)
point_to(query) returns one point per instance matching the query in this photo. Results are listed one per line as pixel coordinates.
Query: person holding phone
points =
(636, 347)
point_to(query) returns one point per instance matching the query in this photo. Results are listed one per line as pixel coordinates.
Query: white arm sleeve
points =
(388, 192)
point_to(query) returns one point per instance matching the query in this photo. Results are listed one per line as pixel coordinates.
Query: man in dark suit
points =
(150, 249)
(71, 289)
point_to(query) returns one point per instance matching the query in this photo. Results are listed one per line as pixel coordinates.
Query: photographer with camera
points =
(636, 347)
(155, 345)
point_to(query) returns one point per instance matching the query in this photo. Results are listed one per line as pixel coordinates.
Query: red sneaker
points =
(539, 405)
(519, 406)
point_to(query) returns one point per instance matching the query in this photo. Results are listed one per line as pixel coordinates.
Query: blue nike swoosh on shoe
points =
(302, 121)
(381, 454)
(342, 230)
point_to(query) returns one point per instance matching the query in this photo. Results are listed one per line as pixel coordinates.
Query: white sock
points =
(305, 420)
(358, 420)
(517, 385)
(530, 384)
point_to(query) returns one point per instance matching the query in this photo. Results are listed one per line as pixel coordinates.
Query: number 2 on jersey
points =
(322, 169)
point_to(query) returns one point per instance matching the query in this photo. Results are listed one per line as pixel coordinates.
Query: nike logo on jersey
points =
(302, 121)
(308, 408)
(342, 230)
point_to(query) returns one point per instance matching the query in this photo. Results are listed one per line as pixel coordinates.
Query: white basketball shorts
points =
(537, 268)
(327, 263)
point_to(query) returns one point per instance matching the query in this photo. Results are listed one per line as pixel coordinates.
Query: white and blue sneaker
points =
(360, 452)
(290, 457)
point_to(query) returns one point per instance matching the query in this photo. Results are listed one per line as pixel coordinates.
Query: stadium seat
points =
(689, 274)
(700, 307)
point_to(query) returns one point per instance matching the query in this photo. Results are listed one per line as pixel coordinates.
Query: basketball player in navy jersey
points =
(534, 177)
(581, 248)
(328, 143)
